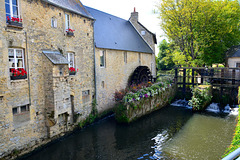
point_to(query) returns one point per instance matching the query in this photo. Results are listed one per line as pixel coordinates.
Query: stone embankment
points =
(126, 112)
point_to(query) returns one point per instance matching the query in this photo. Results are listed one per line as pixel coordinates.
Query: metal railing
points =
(234, 155)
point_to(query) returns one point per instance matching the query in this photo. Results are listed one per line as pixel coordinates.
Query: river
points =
(173, 132)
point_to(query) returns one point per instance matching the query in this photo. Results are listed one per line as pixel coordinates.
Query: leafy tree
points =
(202, 30)
(164, 59)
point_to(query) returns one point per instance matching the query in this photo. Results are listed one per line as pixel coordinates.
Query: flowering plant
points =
(70, 30)
(72, 70)
(13, 19)
(18, 72)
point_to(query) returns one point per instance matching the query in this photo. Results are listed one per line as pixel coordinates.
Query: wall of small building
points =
(35, 36)
(233, 61)
(116, 73)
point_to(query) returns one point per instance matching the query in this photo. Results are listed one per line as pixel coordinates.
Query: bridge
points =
(218, 77)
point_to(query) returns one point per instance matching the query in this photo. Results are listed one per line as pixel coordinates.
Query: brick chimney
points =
(134, 16)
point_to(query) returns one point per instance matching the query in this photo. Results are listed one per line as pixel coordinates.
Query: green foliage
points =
(165, 58)
(202, 30)
(199, 98)
(121, 115)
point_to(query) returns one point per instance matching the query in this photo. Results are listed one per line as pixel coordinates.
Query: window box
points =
(72, 73)
(18, 77)
(70, 34)
(13, 23)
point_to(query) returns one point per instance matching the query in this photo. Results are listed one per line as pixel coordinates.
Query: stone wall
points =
(115, 75)
(42, 88)
(128, 112)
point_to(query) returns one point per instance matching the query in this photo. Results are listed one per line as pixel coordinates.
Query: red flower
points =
(18, 72)
(70, 30)
(71, 69)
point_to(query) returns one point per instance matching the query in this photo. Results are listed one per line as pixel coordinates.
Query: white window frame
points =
(11, 9)
(103, 54)
(69, 59)
(53, 22)
(15, 59)
(67, 21)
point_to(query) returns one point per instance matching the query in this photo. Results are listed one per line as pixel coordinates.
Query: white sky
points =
(123, 9)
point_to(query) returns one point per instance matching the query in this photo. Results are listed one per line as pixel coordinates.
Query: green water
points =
(202, 137)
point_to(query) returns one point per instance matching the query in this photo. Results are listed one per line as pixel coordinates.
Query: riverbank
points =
(236, 139)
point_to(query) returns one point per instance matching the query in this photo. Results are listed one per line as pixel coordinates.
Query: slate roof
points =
(55, 57)
(71, 5)
(111, 32)
(234, 51)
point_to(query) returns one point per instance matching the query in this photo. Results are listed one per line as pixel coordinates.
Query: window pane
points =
(14, 111)
(15, 11)
(11, 63)
(10, 53)
(23, 108)
(19, 53)
(6, 1)
(7, 7)
(14, 2)
(20, 63)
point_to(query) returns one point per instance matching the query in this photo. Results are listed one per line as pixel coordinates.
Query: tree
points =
(201, 29)
(164, 59)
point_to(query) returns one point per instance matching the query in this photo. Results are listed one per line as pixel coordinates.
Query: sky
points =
(123, 9)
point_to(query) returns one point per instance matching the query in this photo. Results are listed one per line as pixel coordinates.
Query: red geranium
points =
(70, 30)
(14, 19)
(18, 72)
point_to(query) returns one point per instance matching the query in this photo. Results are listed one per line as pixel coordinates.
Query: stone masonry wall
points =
(37, 35)
(116, 74)
(132, 111)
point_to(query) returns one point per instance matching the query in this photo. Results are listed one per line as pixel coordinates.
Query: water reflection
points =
(156, 136)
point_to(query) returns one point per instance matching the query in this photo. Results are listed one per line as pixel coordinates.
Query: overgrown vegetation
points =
(200, 97)
(199, 31)
(143, 90)
(236, 139)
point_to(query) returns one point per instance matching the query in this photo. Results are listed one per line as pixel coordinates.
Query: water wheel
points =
(141, 74)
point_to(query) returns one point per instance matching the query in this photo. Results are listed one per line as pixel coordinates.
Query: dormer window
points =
(53, 22)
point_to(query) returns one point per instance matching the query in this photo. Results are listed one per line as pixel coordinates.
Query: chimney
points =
(134, 16)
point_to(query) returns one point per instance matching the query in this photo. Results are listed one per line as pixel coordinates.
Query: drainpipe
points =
(95, 67)
(28, 77)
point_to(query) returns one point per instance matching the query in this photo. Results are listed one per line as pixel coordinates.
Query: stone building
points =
(44, 38)
(55, 58)
(122, 55)
(233, 57)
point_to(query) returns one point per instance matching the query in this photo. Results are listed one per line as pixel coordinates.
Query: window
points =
(143, 33)
(12, 9)
(20, 109)
(16, 58)
(125, 57)
(67, 21)
(53, 22)
(237, 64)
(21, 115)
(85, 96)
(102, 58)
(71, 60)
